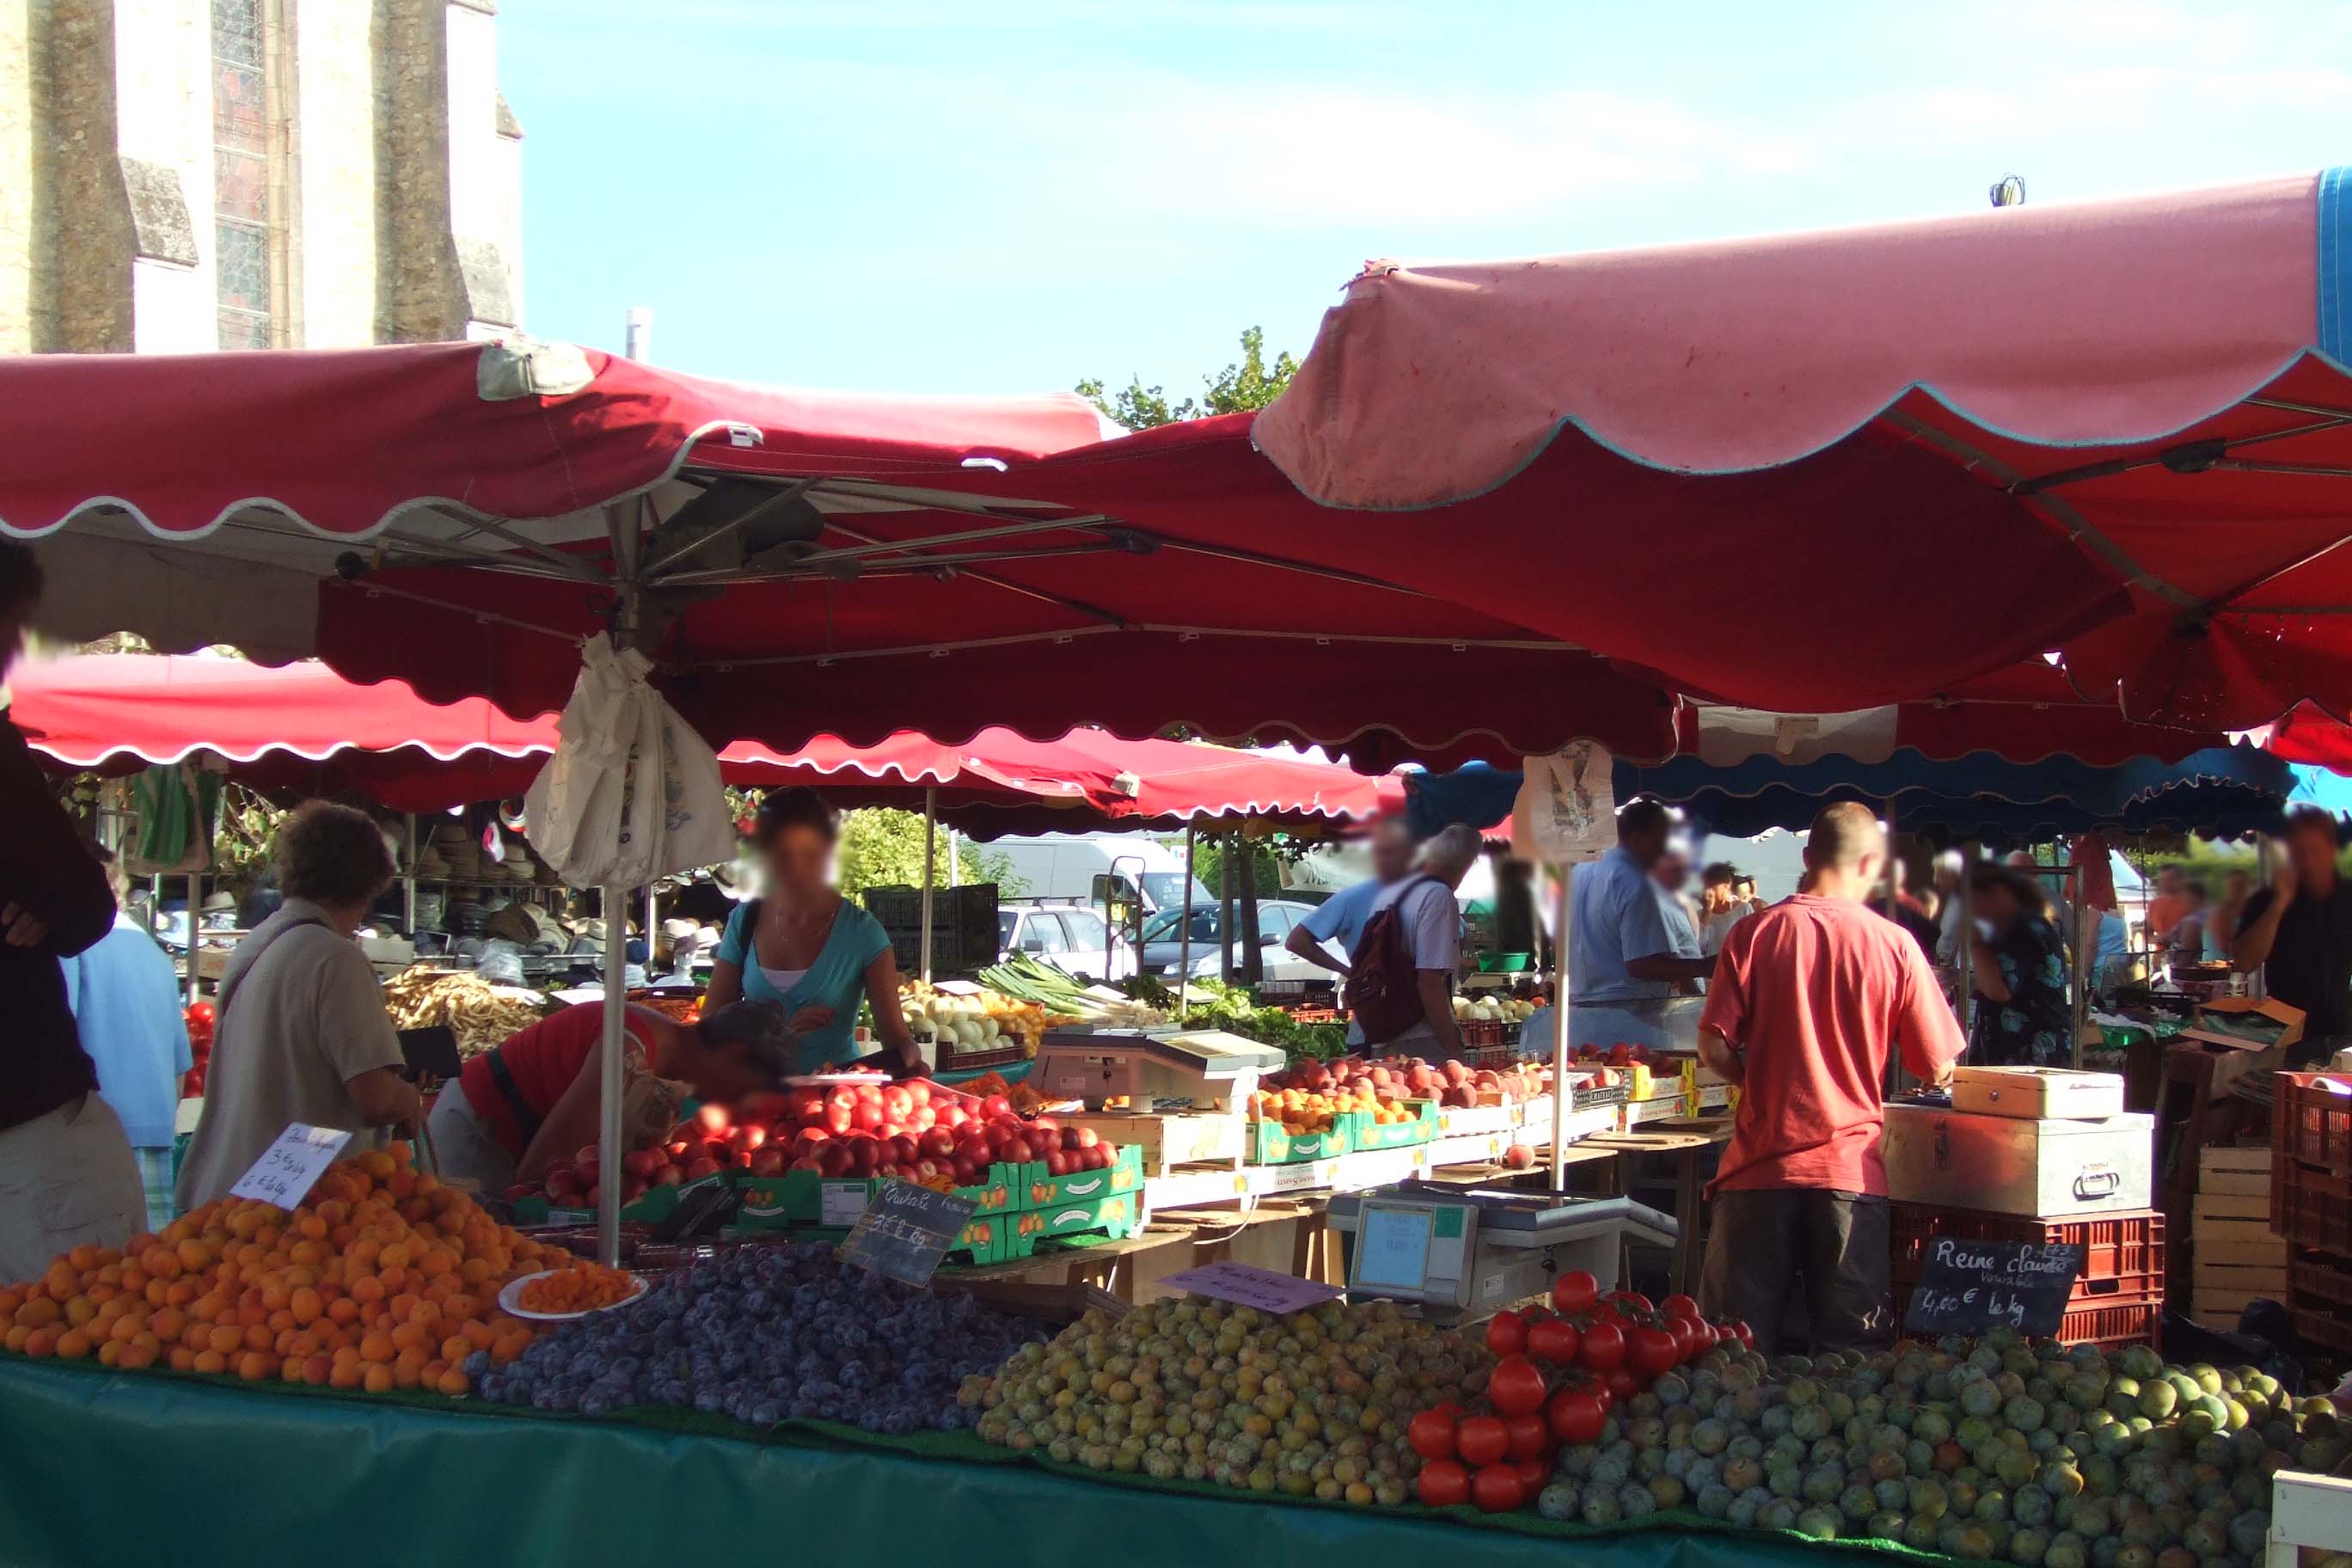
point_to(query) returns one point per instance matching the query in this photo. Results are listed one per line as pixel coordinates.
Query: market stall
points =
(944, 565)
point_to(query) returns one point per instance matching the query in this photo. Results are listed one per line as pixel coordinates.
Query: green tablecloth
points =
(113, 1468)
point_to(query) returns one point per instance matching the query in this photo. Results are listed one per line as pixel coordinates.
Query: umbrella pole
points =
(1183, 927)
(195, 899)
(621, 526)
(930, 855)
(1562, 915)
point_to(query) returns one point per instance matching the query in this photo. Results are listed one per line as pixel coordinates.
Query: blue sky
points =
(977, 197)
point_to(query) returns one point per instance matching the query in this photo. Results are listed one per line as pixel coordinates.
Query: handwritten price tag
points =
(905, 1231)
(288, 1167)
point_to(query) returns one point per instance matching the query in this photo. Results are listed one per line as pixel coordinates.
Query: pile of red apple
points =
(1625, 1053)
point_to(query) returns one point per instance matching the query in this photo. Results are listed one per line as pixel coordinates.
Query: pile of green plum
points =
(2003, 1449)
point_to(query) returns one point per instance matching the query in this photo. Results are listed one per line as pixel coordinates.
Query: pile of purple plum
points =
(769, 1334)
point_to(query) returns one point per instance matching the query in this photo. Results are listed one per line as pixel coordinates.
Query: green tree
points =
(881, 848)
(1238, 388)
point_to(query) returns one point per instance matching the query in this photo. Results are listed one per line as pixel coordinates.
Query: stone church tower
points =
(183, 175)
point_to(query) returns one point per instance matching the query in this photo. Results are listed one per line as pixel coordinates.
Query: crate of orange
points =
(381, 1280)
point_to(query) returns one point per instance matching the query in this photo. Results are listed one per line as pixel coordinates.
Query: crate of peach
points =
(381, 1280)
(1288, 1125)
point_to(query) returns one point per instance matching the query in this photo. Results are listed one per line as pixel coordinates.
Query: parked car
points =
(1163, 944)
(1070, 936)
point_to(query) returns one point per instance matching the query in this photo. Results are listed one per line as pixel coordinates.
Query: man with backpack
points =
(1401, 982)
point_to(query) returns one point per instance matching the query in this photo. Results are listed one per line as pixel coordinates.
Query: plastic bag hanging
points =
(632, 793)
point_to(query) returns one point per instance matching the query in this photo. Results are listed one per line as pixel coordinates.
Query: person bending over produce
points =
(302, 1034)
(809, 950)
(1809, 1000)
(531, 1103)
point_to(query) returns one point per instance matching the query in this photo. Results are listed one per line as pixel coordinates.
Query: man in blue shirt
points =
(126, 1000)
(1623, 957)
(1343, 915)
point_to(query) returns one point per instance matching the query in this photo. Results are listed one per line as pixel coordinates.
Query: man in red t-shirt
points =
(1809, 1000)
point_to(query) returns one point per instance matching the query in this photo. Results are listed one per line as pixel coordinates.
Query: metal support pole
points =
(652, 921)
(1183, 927)
(196, 901)
(2086, 950)
(1563, 915)
(621, 525)
(930, 854)
(408, 876)
(1963, 952)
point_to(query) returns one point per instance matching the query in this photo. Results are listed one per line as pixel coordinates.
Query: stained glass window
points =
(240, 175)
(236, 32)
(241, 185)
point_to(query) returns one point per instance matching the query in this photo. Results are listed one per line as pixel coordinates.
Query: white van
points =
(1062, 867)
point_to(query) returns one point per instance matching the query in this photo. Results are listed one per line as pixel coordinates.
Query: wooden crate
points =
(2236, 1258)
(1171, 1142)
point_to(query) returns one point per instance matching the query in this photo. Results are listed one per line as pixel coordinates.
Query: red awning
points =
(302, 726)
(855, 566)
(2157, 385)
(2312, 735)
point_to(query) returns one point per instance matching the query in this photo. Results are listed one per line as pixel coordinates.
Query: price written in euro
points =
(286, 1168)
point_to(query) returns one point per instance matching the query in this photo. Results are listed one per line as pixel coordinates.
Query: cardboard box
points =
(1270, 1145)
(811, 1197)
(1115, 1219)
(1193, 1138)
(1036, 1186)
(651, 1209)
(1364, 1132)
(2238, 1029)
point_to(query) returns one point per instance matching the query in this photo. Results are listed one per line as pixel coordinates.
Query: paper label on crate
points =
(1247, 1287)
(288, 1167)
(1968, 1285)
(839, 1203)
(956, 988)
(905, 1230)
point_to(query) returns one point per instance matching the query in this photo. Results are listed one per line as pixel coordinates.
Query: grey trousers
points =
(1769, 1248)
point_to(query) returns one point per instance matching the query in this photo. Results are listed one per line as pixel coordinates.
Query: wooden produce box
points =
(2236, 1258)
(1167, 1142)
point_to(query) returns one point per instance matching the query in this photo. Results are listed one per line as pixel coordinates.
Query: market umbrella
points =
(462, 515)
(1928, 424)
(304, 726)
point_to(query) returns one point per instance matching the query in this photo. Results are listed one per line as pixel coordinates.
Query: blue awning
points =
(2225, 790)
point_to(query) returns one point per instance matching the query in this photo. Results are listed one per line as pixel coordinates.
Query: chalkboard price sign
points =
(1967, 1286)
(905, 1231)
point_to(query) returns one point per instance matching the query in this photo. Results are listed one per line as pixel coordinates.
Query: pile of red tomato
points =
(201, 1016)
(1562, 1371)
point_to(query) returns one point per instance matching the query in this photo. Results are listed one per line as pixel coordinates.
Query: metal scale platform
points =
(1198, 1067)
(1469, 1254)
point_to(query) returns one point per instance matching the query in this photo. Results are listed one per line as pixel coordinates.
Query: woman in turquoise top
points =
(809, 950)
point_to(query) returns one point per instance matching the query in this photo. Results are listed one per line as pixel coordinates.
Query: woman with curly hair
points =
(302, 1034)
(2023, 1018)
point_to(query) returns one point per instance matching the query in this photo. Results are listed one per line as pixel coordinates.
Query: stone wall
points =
(394, 174)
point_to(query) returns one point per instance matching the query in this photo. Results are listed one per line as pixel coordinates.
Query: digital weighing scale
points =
(1201, 1066)
(1467, 1253)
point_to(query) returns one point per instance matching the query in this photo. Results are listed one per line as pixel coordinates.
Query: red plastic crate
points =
(2111, 1324)
(2313, 1209)
(2123, 1254)
(2311, 1124)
